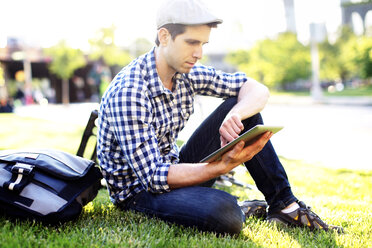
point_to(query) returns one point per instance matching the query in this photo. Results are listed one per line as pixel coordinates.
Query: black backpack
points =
(46, 185)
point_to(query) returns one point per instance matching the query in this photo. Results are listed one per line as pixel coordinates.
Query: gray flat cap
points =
(187, 12)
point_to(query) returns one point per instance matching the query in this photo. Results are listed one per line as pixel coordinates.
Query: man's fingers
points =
(230, 133)
(237, 129)
(234, 123)
(238, 123)
(227, 136)
(223, 141)
(256, 145)
(237, 149)
(231, 127)
(269, 135)
(242, 152)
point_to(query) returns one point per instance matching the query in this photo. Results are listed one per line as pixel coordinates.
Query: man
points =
(147, 105)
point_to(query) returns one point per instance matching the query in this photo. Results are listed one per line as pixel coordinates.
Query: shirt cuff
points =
(160, 179)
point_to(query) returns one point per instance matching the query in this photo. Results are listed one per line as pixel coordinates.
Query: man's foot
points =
(303, 217)
(255, 208)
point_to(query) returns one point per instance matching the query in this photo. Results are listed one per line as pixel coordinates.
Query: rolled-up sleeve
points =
(211, 82)
(131, 119)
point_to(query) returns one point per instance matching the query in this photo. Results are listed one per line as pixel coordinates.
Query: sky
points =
(45, 22)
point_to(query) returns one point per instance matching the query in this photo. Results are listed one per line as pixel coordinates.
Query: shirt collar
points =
(156, 86)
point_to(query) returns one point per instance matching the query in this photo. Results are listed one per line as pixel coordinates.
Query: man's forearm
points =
(183, 175)
(252, 98)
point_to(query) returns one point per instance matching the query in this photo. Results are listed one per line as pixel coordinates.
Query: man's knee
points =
(227, 217)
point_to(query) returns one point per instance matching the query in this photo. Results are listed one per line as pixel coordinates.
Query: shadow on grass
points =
(294, 236)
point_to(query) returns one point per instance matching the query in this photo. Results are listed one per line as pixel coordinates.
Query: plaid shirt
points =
(139, 121)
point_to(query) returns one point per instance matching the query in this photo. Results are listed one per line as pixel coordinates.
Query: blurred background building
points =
(290, 16)
(355, 14)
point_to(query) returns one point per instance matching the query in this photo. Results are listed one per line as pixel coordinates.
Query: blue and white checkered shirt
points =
(139, 121)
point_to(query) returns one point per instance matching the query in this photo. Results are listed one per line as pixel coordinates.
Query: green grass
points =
(340, 197)
(363, 91)
(27, 132)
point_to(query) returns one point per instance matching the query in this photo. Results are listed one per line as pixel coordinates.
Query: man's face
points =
(186, 49)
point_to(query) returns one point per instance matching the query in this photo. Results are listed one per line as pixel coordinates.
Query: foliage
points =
(285, 60)
(65, 60)
(275, 61)
(349, 57)
(331, 66)
(337, 60)
(103, 47)
(3, 89)
(1, 74)
(363, 58)
(239, 57)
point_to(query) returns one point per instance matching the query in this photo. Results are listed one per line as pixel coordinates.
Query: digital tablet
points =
(247, 136)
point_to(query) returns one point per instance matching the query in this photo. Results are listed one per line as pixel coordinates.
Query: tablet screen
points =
(247, 136)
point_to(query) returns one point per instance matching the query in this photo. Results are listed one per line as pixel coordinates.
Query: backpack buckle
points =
(21, 175)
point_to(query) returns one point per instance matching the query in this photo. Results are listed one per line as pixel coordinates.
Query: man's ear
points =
(163, 36)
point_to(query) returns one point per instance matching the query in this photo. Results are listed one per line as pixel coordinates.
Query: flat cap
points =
(187, 12)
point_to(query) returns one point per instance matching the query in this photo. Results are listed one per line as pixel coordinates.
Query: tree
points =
(3, 91)
(140, 46)
(275, 61)
(1, 75)
(350, 56)
(338, 60)
(65, 60)
(331, 67)
(363, 58)
(103, 46)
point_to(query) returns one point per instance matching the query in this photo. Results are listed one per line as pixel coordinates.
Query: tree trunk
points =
(65, 91)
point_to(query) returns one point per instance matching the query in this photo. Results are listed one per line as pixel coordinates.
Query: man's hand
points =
(183, 175)
(230, 129)
(240, 154)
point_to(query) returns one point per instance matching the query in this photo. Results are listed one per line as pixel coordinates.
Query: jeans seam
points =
(281, 204)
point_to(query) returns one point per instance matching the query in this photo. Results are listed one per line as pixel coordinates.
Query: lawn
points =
(340, 197)
(363, 91)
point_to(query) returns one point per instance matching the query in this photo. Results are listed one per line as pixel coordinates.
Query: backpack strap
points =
(21, 175)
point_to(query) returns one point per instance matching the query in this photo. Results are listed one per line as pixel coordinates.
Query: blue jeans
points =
(210, 209)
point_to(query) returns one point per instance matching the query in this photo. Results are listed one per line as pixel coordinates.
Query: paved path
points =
(337, 135)
(75, 113)
(331, 135)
